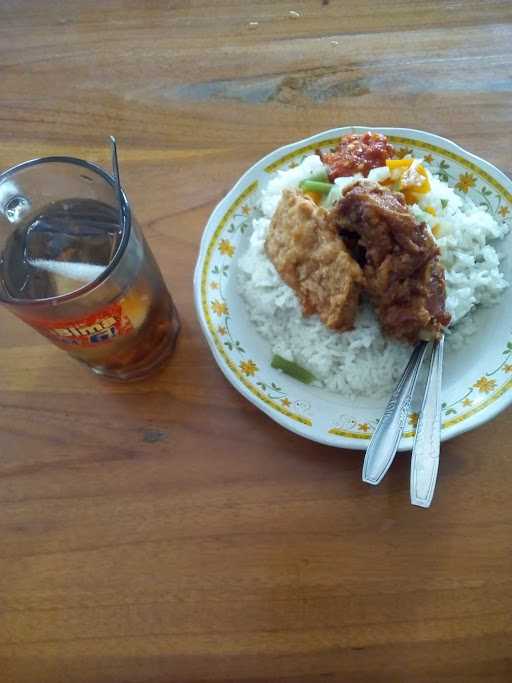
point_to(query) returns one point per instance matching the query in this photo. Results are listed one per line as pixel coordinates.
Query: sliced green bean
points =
(322, 177)
(292, 369)
(315, 186)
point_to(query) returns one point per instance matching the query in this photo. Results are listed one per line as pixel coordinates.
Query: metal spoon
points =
(425, 451)
(384, 443)
(115, 168)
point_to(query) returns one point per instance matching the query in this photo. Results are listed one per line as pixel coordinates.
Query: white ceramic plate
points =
(477, 381)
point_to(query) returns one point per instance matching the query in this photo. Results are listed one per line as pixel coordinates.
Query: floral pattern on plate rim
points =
(471, 181)
(216, 270)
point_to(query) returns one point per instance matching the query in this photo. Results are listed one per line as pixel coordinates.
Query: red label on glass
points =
(103, 326)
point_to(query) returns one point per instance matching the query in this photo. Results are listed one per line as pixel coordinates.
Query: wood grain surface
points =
(167, 530)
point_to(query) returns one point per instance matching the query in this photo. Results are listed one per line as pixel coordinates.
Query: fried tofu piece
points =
(304, 246)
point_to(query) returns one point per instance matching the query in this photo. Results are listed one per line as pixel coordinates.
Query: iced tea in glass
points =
(75, 266)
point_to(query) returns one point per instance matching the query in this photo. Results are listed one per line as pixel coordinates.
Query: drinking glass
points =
(75, 266)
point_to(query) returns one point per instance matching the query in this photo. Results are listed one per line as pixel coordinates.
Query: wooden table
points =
(167, 530)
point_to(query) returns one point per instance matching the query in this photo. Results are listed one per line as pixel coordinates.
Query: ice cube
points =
(76, 231)
(78, 272)
(68, 276)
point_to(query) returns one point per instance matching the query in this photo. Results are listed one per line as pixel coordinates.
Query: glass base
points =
(153, 362)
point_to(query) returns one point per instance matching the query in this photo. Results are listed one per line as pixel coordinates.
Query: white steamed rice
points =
(363, 361)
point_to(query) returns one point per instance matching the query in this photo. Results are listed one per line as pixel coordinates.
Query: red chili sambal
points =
(357, 154)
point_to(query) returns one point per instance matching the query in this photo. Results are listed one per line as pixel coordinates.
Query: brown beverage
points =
(126, 325)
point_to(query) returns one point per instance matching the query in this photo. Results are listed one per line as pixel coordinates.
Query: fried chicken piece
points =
(357, 154)
(306, 250)
(404, 277)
